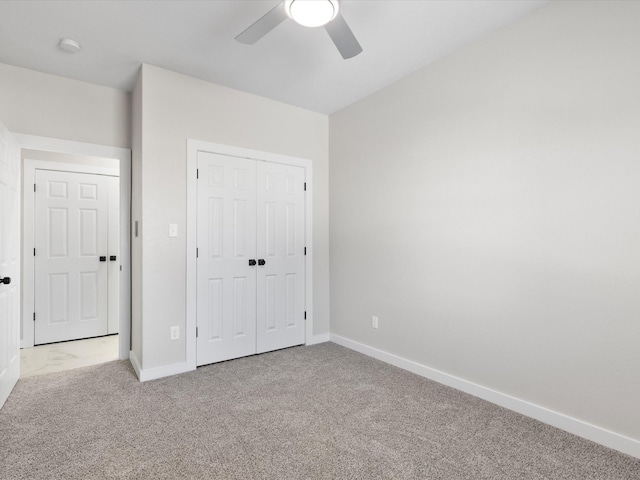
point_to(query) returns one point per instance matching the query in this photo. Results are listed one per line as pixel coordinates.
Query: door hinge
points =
(305, 250)
(34, 316)
(196, 252)
(305, 186)
(305, 315)
(34, 187)
(197, 173)
(196, 332)
(34, 252)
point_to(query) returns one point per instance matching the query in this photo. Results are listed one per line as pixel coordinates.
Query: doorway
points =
(93, 171)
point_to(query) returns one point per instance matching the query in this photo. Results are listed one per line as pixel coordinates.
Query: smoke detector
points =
(69, 45)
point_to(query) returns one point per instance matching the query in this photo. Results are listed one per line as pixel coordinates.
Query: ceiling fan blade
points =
(343, 37)
(264, 25)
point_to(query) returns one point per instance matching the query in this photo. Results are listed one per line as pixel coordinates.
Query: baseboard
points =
(322, 338)
(572, 425)
(157, 372)
(135, 363)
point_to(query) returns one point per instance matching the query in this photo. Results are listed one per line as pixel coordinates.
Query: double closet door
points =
(76, 256)
(250, 265)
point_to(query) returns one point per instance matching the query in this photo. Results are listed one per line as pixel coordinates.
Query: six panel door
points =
(281, 286)
(71, 257)
(113, 295)
(250, 265)
(226, 283)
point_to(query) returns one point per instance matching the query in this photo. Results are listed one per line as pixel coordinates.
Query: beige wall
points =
(46, 105)
(486, 208)
(174, 108)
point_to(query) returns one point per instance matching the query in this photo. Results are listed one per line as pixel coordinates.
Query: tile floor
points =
(57, 357)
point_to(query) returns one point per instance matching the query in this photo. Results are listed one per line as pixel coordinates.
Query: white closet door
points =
(226, 283)
(113, 310)
(281, 243)
(70, 239)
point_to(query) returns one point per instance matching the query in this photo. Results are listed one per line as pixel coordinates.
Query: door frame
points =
(195, 146)
(123, 155)
(28, 232)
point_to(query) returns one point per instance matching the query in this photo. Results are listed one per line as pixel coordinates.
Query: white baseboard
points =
(157, 372)
(165, 371)
(322, 338)
(135, 363)
(572, 425)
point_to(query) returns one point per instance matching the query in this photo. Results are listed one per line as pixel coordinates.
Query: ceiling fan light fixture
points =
(311, 13)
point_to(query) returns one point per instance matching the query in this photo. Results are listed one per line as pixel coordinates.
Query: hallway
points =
(57, 357)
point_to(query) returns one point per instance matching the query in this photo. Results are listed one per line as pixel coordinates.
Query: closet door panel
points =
(71, 278)
(114, 252)
(280, 243)
(226, 283)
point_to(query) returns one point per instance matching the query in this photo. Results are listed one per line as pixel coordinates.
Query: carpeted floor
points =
(302, 413)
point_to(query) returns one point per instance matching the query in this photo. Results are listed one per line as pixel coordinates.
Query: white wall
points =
(46, 105)
(68, 158)
(136, 216)
(174, 108)
(486, 208)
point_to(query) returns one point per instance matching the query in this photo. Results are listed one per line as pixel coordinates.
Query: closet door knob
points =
(112, 258)
(5, 280)
(103, 259)
(252, 262)
(261, 261)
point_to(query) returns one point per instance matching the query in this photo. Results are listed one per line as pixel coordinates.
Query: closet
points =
(76, 268)
(250, 257)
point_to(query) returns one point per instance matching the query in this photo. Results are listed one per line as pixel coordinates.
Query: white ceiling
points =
(292, 64)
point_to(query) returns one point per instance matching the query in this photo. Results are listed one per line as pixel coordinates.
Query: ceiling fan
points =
(310, 13)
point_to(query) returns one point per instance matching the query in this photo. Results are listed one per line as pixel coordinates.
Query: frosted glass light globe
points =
(311, 13)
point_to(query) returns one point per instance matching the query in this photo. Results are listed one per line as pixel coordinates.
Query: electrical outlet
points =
(175, 333)
(374, 321)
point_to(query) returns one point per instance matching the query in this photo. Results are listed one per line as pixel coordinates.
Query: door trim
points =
(195, 146)
(123, 155)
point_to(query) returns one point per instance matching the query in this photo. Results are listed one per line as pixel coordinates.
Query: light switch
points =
(173, 229)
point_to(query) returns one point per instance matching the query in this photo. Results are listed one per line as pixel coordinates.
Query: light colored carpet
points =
(306, 412)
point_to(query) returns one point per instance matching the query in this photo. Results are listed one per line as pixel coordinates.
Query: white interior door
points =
(251, 257)
(9, 265)
(226, 239)
(71, 256)
(113, 308)
(281, 250)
